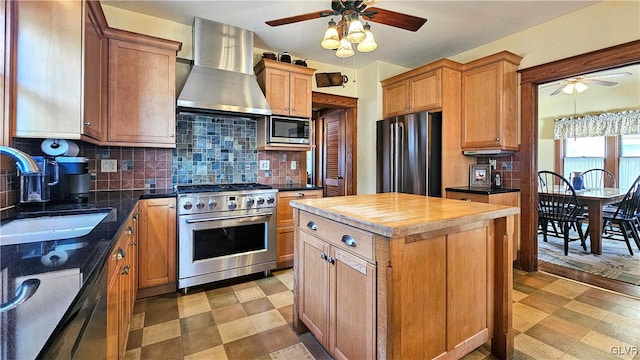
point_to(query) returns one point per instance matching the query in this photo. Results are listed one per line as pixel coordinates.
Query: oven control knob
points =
(260, 201)
(200, 205)
(270, 200)
(232, 205)
(250, 202)
(187, 205)
(212, 204)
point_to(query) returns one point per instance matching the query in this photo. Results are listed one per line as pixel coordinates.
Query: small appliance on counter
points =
(73, 185)
(35, 187)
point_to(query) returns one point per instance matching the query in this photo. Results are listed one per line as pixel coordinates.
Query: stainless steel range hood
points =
(222, 76)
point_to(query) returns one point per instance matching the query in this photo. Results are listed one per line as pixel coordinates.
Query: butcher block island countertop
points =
(400, 276)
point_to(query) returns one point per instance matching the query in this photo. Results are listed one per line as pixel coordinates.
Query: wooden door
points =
(334, 123)
(314, 286)
(157, 242)
(482, 103)
(396, 98)
(300, 95)
(352, 310)
(425, 91)
(141, 93)
(277, 91)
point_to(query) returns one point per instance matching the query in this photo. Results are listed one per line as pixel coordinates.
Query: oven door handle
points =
(255, 216)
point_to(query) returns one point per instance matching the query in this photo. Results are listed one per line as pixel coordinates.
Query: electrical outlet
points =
(264, 165)
(108, 165)
(293, 165)
(492, 163)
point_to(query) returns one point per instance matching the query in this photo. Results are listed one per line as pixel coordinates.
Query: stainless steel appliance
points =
(35, 187)
(284, 130)
(409, 150)
(225, 231)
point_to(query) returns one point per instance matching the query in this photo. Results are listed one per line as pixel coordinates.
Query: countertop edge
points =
(483, 191)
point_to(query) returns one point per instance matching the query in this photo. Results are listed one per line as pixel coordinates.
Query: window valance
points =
(606, 124)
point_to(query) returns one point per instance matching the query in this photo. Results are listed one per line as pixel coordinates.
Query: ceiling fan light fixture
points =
(356, 30)
(345, 49)
(369, 43)
(574, 87)
(331, 39)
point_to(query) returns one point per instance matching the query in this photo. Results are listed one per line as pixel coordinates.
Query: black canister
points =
(285, 57)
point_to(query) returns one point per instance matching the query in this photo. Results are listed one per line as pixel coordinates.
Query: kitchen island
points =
(400, 276)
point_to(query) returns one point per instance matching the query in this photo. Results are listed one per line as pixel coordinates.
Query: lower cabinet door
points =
(113, 316)
(353, 307)
(314, 287)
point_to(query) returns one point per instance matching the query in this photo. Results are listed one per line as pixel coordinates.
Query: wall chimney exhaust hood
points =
(222, 78)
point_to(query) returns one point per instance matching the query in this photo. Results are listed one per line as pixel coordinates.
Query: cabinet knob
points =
(120, 255)
(129, 230)
(170, 206)
(323, 256)
(311, 225)
(330, 260)
(88, 123)
(497, 139)
(170, 135)
(300, 194)
(135, 217)
(293, 109)
(286, 108)
(349, 240)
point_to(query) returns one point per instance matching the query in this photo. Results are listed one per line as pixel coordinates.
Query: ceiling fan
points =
(580, 83)
(344, 8)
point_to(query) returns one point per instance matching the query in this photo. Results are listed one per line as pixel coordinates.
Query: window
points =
(629, 160)
(581, 154)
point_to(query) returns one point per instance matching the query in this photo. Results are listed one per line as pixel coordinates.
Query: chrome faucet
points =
(25, 163)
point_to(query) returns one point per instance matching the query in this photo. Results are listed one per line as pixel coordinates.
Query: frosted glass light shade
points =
(574, 87)
(331, 39)
(369, 43)
(345, 49)
(356, 30)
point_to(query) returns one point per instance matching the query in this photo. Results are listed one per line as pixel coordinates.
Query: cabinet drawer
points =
(468, 196)
(339, 235)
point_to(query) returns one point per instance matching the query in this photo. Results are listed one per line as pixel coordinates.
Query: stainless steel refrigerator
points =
(409, 150)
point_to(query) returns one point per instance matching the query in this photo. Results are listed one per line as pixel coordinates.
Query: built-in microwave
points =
(285, 130)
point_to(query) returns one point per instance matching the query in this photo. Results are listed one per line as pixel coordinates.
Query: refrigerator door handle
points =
(395, 154)
(400, 167)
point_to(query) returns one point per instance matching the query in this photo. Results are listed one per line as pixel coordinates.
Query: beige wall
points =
(598, 26)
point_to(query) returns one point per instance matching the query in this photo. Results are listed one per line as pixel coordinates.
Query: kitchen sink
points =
(45, 228)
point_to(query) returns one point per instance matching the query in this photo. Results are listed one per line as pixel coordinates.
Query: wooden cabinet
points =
(141, 108)
(417, 93)
(489, 102)
(287, 87)
(337, 292)
(95, 78)
(157, 246)
(509, 198)
(121, 288)
(48, 69)
(284, 221)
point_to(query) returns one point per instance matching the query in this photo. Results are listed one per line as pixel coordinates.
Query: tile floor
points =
(553, 318)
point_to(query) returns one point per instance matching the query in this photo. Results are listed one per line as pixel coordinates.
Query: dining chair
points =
(624, 220)
(598, 178)
(558, 204)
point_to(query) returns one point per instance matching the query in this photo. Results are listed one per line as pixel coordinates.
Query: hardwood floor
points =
(599, 281)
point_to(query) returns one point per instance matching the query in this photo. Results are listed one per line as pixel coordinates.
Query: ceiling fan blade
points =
(298, 18)
(610, 75)
(599, 82)
(557, 91)
(395, 19)
(549, 85)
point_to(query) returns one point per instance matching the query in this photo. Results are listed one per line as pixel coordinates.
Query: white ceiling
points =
(452, 27)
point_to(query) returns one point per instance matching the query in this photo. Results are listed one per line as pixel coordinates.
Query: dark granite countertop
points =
(79, 258)
(480, 190)
(295, 187)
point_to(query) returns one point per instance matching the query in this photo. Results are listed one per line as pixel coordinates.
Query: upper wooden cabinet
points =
(48, 77)
(416, 93)
(76, 78)
(286, 86)
(489, 102)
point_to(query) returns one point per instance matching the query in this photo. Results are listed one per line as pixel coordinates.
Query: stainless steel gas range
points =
(225, 231)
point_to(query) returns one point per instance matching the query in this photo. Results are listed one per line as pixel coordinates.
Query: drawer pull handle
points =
(349, 240)
(330, 260)
(120, 255)
(129, 230)
(311, 225)
(465, 199)
(300, 194)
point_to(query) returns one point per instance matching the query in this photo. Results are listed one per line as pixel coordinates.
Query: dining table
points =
(595, 199)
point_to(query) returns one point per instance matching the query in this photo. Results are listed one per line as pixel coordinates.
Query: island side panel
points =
(502, 342)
